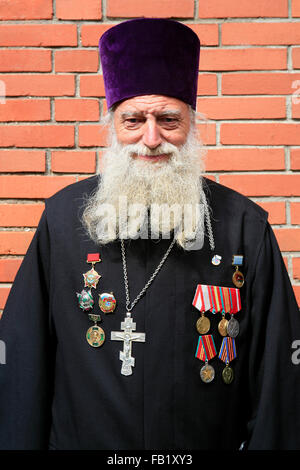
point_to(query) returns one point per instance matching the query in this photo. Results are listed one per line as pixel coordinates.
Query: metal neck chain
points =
(128, 306)
(212, 247)
(208, 222)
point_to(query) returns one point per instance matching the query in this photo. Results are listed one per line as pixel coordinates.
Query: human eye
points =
(169, 122)
(133, 122)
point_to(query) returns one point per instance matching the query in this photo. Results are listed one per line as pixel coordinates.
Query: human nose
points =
(151, 136)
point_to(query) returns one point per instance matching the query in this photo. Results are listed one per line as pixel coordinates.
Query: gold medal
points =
(203, 324)
(222, 327)
(95, 336)
(238, 278)
(227, 375)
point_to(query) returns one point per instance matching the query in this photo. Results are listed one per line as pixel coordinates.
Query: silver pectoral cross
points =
(127, 336)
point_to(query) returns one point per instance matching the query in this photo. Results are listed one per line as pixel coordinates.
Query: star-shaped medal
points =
(91, 278)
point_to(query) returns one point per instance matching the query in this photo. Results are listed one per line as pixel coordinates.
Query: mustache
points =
(141, 149)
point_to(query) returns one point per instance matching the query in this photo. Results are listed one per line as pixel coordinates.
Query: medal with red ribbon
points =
(203, 302)
(91, 277)
(227, 354)
(217, 299)
(206, 351)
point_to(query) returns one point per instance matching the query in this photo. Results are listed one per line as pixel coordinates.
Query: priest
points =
(153, 309)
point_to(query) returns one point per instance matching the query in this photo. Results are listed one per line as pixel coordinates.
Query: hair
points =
(175, 176)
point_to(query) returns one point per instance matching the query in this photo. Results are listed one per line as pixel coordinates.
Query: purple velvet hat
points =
(150, 56)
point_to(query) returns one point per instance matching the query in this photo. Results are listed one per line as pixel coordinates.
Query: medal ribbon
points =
(228, 350)
(226, 299)
(217, 299)
(93, 258)
(222, 300)
(202, 300)
(206, 349)
(235, 300)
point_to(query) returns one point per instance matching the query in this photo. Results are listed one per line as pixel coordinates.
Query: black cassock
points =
(58, 392)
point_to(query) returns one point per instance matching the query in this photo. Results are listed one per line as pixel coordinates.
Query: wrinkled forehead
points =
(152, 105)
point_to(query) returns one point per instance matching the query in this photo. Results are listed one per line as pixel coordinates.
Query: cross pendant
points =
(127, 336)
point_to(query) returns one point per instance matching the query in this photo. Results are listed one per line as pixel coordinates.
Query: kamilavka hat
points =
(150, 56)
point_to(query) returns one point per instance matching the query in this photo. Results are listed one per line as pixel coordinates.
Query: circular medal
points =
(203, 325)
(233, 327)
(238, 279)
(95, 336)
(107, 302)
(207, 373)
(222, 327)
(227, 375)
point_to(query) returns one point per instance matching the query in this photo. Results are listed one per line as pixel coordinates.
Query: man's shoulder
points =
(224, 199)
(74, 190)
(70, 201)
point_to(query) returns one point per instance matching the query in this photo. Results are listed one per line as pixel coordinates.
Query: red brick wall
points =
(249, 89)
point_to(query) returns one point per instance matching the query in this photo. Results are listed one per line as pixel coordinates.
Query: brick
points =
(288, 238)
(295, 213)
(297, 294)
(260, 33)
(263, 185)
(76, 61)
(207, 84)
(296, 268)
(4, 292)
(36, 136)
(73, 162)
(296, 57)
(9, 268)
(92, 85)
(32, 187)
(155, 8)
(15, 243)
(26, 9)
(20, 215)
(92, 135)
(22, 160)
(25, 110)
(76, 110)
(296, 107)
(91, 33)
(38, 85)
(207, 133)
(260, 83)
(260, 133)
(276, 211)
(296, 8)
(243, 9)
(295, 159)
(208, 34)
(78, 10)
(243, 59)
(245, 159)
(240, 108)
(46, 35)
(25, 60)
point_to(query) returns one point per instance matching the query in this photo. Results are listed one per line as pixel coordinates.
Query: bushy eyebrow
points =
(166, 112)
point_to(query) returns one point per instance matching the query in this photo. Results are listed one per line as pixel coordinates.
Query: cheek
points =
(176, 137)
(125, 136)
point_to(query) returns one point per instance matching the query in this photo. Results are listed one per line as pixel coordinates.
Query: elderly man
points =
(153, 309)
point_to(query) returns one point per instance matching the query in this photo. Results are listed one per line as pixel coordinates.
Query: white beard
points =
(136, 198)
